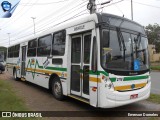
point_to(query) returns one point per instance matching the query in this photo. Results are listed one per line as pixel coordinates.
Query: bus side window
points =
(16, 51)
(32, 48)
(94, 55)
(44, 45)
(58, 45)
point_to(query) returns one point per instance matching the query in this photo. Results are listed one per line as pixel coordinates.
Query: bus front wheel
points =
(57, 89)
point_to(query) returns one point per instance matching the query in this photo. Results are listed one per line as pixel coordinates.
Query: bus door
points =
(80, 64)
(23, 62)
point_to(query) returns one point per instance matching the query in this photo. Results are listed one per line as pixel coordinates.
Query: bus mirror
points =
(94, 55)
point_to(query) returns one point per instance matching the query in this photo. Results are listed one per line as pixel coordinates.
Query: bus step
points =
(80, 98)
(23, 79)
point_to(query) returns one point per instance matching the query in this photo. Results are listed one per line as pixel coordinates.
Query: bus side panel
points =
(35, 72)
(42, 74)
(29, 74)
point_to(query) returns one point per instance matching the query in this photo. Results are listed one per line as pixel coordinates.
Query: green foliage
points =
(3, 48)
(154, 98)
(153, 34)
(155, 67)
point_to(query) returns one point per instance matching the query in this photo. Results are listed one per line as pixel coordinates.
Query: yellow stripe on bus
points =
(43, 71)
(79, 99)
(94, 79)
(128, 87)
(140, 85)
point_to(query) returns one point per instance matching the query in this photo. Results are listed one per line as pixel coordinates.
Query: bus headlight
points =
(108, 83)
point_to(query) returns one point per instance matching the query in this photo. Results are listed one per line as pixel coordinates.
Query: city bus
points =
(100, 59)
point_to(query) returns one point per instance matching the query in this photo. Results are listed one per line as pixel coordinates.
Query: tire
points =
(15, 75)
(0, 71)
(57, 89)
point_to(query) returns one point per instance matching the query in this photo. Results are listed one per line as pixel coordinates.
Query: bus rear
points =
(124, 62)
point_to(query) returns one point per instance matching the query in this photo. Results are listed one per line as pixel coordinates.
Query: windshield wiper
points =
(139, 39)
(121, 40)
(137, 42)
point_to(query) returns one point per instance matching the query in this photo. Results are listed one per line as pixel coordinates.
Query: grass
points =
(9, 101)
(154, 98)
(155, 67)
(154, 118)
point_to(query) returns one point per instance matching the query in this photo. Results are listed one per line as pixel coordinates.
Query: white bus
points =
(101, 59)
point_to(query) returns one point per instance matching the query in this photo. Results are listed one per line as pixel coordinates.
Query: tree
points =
(153, 34)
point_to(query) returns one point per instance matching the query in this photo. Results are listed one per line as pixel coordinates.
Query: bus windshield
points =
(125, 51)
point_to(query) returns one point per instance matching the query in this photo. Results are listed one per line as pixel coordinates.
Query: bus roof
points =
(76, 21)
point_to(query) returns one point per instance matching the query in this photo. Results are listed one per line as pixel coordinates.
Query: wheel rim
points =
(57, 89)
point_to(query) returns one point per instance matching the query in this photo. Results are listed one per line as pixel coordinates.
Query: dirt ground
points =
(40, 99)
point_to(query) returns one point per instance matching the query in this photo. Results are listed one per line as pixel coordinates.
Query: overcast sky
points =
(51, 12)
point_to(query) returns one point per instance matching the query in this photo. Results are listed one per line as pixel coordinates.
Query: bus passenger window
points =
(32, 46)
(58, 45)
(16, 50)
(44, 45)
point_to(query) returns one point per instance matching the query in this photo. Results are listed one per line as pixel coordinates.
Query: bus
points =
(100, 59)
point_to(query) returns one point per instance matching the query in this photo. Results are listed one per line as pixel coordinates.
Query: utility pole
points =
(34, 24)
(131, 9)
(92, 6)
(9, 37)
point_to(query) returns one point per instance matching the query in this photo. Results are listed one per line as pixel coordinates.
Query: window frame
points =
(45, 45)
(16, 50)
(31, 48)
(64, 33)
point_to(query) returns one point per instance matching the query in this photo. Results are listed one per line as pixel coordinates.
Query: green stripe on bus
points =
(131, 78)
(12, 63)
(135, 78)
(98, 72)
(55, 68)
(48, 68)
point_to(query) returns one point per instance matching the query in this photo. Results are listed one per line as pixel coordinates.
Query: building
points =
(154, 57)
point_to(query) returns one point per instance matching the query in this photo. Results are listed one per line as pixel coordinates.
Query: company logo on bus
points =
(133, 86)
(133, 73)
(79, 27)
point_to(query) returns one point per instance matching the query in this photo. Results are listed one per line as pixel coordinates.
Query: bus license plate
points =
(134, 96)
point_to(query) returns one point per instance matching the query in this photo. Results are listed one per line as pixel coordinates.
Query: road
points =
(155, 79)
(40, 99)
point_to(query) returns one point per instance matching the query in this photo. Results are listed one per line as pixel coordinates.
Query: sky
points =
(48, 13)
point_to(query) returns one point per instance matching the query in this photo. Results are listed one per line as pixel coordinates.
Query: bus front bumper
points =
(116, 98)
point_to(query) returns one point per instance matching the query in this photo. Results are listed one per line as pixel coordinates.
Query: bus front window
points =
(123, 53)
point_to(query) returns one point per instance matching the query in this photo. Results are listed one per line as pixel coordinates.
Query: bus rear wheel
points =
(57, 89)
